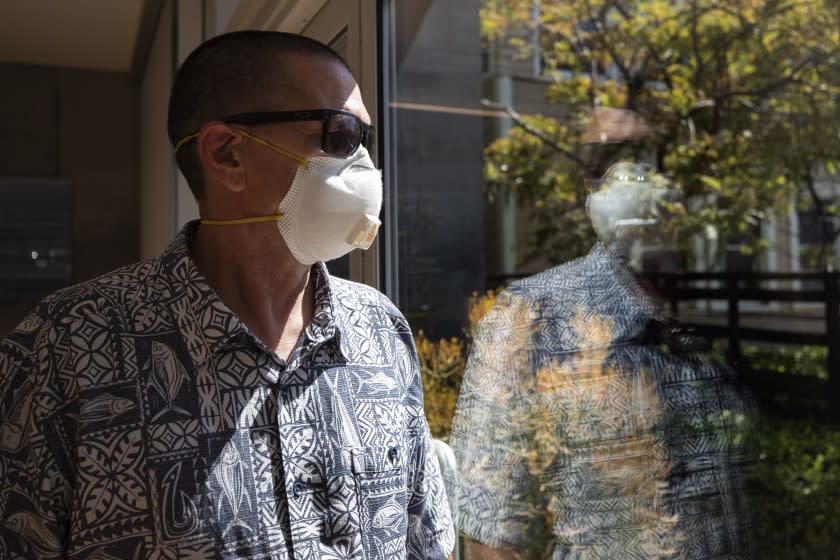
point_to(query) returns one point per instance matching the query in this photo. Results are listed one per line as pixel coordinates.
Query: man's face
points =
(317, 83)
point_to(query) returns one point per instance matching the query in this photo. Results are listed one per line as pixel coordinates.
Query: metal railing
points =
(737, 287)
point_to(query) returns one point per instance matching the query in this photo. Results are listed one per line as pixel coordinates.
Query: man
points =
(588, 425)
(229, 398)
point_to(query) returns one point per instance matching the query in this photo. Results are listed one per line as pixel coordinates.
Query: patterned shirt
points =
(588, 427)
(142, 419)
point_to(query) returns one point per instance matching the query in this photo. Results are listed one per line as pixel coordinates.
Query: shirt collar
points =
(322, 327)
(628, 287)
(326, 323)
(206, 323)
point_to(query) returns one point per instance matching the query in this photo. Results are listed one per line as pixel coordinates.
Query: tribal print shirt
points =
(590, 428)
(142, 419)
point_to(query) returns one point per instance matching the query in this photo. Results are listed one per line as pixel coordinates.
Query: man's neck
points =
(256, 276)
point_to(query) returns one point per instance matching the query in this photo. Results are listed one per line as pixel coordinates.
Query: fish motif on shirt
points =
(32, 529)
(105, 407)
(167, 377)
(379, 382)
(13, 428)
(346, 429)
(389, 516)
(229, 473)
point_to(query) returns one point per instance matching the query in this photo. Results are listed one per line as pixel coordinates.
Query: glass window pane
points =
(617, 247)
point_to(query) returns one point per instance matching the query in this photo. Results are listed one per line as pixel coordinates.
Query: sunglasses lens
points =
(343, 135)
(370, 137)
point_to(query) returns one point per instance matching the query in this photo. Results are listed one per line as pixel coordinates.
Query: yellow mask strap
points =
(271, 146)
(254, 220)
(256, 139)
(184, 140)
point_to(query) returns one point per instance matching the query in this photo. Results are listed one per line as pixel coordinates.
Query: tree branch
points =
(605, 44)
(520, 122)
(827, 232)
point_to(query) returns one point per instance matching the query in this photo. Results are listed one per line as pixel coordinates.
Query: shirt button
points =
(297, 488)
(393, 454)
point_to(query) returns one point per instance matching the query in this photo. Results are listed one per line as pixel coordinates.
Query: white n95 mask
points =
(627, 203)
(332, 207)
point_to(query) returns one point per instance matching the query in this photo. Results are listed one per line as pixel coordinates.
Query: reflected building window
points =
(36, 230)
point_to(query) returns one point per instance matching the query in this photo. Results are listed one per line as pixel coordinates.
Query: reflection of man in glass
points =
(588, 426)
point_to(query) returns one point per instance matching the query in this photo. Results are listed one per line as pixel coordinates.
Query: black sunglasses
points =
(341, 134)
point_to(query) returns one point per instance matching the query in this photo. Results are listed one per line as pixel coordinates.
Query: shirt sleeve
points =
(430, 531)
(496, 432)
(431, 535)
(33, 475)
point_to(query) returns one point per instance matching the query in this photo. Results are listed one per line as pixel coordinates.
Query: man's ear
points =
(218, 147)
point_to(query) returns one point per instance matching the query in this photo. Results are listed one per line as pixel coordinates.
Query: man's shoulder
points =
(354, 295)
(350, 293)
(585, 282)
(115, 289)
(90, 304)
(573, 275)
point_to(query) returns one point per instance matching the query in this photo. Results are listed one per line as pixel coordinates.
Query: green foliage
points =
(442, 365)
(802, 360)
(740, 98)
(814, 255)
(520, 163)
(442, 369)
(797, 491)
(796, 483)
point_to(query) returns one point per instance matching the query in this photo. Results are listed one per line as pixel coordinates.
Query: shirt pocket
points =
(380, 474)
